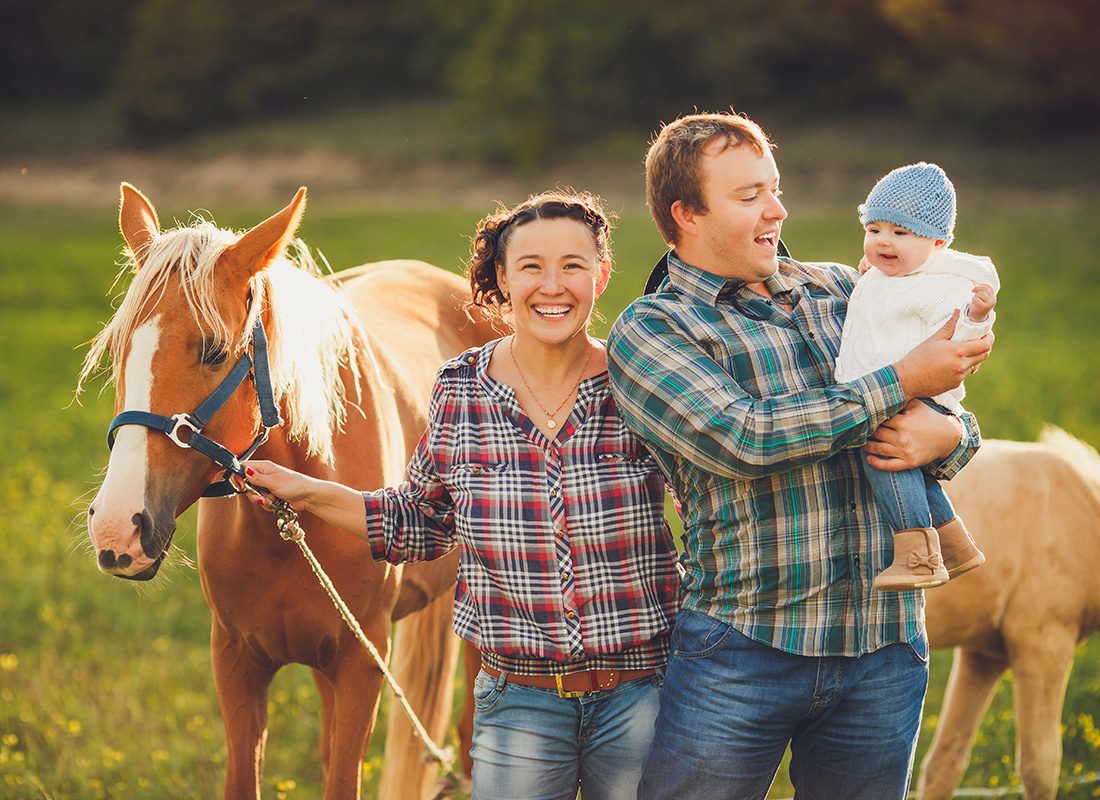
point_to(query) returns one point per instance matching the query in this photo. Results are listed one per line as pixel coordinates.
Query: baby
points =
(913, 284)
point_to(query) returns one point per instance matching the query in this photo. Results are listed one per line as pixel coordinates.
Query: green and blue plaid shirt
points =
(735, 398)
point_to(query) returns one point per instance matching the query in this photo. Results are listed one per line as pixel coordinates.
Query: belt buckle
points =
(561, 689)
(599, 687)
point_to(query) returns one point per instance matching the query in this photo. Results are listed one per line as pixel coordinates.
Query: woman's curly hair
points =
(489, 243)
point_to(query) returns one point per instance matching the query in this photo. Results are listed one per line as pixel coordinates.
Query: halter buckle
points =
(181, 421)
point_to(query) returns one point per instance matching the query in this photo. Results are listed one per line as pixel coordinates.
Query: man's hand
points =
(938, 365)
(915, 436)
(984, 299)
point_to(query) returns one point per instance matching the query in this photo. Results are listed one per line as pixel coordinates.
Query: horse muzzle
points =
(131, 548)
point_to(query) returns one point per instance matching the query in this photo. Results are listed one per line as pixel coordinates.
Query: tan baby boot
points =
(960, 554)
(917, 562)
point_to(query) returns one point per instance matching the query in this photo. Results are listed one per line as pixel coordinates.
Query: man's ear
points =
(684, 218)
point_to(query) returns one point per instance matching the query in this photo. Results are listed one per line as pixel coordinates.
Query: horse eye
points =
(214, 356)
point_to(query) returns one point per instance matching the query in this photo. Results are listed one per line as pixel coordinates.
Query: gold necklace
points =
(549, 414)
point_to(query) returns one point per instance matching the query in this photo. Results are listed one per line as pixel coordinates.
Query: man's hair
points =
(673, 165)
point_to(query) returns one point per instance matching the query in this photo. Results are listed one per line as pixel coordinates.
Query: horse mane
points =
(312, 330)
(1083, 457)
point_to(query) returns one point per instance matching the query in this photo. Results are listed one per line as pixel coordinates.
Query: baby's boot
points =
(917, 562)
(960, 554)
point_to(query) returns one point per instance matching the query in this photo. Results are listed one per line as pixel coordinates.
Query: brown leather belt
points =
(576, 684)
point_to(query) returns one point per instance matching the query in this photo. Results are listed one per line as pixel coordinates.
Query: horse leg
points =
(242, 681)
(974, 678)
(472, 664)
(356, 687)
(1042, 673)
(328, 698)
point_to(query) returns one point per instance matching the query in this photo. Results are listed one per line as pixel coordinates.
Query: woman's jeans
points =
(730, 705)
(909, 499)
(530, 743)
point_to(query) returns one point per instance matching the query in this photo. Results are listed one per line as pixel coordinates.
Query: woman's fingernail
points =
(248, 471)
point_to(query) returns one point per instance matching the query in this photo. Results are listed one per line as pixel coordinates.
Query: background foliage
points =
(535, 75)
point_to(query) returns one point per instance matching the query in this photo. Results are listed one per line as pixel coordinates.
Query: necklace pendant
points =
(551, 424)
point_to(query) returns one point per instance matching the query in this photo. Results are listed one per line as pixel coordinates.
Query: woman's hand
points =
(335, 503)
(291, 486)
(915, 436)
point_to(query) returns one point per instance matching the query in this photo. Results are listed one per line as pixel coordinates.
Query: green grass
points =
(105, 687)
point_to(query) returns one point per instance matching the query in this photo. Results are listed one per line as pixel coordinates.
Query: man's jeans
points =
(529, 743)
(730, 705)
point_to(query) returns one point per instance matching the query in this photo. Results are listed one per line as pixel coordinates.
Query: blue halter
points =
(194, 422)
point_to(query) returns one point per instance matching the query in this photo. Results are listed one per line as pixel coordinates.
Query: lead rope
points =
(286, 520)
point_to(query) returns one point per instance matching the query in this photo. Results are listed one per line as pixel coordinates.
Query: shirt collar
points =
(709, 287)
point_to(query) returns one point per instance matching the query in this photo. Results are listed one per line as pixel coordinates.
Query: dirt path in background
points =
(241, 178)
(268, 179)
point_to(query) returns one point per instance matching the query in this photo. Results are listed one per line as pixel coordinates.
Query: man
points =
(727, 373)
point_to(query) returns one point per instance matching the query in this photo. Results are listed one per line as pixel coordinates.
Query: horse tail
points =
(425, 654)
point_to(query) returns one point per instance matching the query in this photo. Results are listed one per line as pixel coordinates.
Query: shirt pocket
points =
(641, 461)
(474, 469)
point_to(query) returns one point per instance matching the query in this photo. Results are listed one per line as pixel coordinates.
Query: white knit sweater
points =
(888, 317)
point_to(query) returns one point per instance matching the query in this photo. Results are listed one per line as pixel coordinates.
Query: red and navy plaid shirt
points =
(566, 562)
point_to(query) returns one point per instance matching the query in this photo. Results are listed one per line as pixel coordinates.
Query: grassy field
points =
(105, 687)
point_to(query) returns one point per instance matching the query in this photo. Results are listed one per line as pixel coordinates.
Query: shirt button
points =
(553, 492)
(565, 576)
(570, 614)
(853, 506)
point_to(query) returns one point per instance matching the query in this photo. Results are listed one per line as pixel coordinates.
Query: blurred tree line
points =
(535, 74)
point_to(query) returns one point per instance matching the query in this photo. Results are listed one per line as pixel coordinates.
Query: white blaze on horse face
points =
(123, 492)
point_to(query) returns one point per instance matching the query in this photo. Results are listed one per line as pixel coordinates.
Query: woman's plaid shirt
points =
(566, 562)
(736, 399)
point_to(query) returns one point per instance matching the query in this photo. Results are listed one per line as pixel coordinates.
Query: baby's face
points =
(895, 251)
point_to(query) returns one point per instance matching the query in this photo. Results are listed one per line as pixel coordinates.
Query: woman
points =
(567, 580)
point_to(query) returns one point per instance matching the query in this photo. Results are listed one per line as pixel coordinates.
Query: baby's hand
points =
(864, 265)
(984, 300)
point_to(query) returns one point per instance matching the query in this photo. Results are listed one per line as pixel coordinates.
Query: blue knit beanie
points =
(919, 197)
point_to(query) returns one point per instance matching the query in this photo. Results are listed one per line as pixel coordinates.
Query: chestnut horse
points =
(1034, 508)
(352, 360)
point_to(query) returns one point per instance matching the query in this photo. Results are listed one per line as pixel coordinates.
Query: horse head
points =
(184, 325)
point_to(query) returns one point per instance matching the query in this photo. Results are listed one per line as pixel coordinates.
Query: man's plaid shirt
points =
(736, 399)
(566, 562)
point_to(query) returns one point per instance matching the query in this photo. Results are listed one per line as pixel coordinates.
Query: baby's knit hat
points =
(919, 197)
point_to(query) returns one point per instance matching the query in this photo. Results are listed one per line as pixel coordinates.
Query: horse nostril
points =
(107, 558)
(138, 521)
(125, 560)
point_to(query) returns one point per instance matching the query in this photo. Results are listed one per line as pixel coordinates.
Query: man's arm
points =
(673, 394)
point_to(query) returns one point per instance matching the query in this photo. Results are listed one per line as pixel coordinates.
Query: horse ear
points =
(137, 219)
(261, 245)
